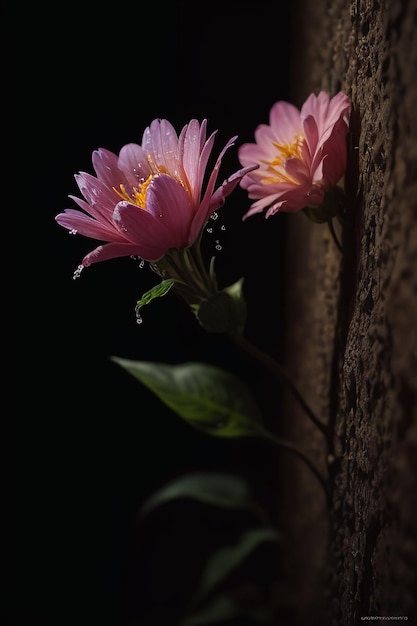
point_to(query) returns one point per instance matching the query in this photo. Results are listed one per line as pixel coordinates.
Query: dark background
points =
(91, 443)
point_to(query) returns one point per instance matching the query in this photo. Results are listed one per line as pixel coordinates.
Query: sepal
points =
(225, 311)
(333, 205)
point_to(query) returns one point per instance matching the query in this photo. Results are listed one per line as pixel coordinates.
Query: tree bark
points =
(352, 325)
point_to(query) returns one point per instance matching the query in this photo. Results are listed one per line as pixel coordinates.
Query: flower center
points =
(276, 167)
(137, 195)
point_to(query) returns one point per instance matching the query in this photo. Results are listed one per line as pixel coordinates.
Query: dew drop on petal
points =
(73, 231)
(215, 215)
(222, 227)
(218, 246)
(209, 230)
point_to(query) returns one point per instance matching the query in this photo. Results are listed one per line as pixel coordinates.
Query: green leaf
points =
(156, 292)
(223, 563)
(222, 608)
(218, 610)
(207, 397)
(217, 489)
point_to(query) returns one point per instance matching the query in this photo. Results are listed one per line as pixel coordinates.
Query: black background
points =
(91, 443)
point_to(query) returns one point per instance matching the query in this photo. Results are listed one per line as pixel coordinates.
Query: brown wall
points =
(352, 324)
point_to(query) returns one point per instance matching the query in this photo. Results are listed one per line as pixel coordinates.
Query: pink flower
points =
(301, 154)
(150, 198)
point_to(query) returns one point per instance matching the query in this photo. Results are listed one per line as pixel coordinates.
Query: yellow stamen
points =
(138, 195)
(156, 169)
(291, 150)
(285, 151)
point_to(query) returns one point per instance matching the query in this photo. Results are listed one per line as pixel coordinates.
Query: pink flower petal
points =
(217, 201)
(311, 134)
(112, 251)
(87, 226)
(133, 163)
(191, 154)
(285, 120)
(334, 163)
(298, 170)
(171, 205)
(105, 166)
(146, 232)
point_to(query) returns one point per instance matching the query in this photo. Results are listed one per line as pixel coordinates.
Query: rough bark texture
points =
(352, 325)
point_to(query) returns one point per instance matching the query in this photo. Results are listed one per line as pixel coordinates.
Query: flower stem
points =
(278, 372)
(287, 445)
(333, 234)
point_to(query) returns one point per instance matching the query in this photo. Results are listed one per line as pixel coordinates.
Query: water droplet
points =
(222, 227)
(218, 246)
(73, 231)
(140, 261)
(161, 272)
(139, 319)
(209, 230)
(215, 215)
(77, 272)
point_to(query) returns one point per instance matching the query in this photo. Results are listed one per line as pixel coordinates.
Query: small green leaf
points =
(217, 489)
(221, 565)
(156, 292)
(222, 609)
(219, 610)
(210, 399)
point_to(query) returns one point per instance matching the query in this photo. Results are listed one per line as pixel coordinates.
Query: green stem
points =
(181, 266)
(195, 253)
(191, 273)
(287, 445)
(278, 372)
